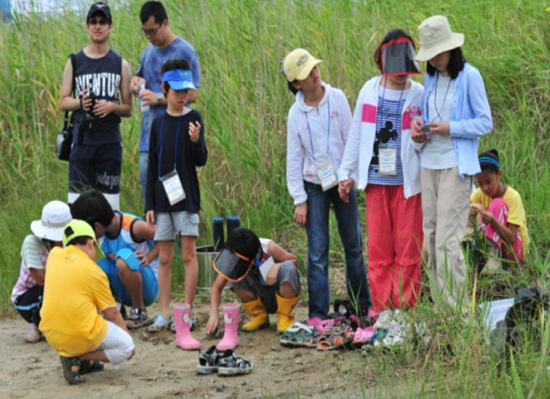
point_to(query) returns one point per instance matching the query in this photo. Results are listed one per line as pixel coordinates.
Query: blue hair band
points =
(489, 160)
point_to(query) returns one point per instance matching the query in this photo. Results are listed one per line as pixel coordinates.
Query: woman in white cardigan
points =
(380, 158)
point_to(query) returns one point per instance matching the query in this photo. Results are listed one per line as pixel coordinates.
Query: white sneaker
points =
(33, 335)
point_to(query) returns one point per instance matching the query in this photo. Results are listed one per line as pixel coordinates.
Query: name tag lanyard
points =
(162, 144)
(325, 171)
(400, 96)
(171, 181)
(328, 131)
(435, 99)
(387, 157)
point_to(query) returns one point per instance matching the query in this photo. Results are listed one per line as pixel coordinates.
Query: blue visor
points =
(179, 79)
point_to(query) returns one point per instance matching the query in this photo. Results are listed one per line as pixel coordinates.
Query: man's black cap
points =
(102, 9)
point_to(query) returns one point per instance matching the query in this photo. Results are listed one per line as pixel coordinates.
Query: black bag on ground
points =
(522, 324)
(64, 140)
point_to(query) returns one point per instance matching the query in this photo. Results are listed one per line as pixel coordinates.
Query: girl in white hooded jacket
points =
(318, 126)
(380, 158)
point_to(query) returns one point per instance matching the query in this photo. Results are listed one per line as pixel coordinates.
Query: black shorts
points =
(95, 166)
(28, 304)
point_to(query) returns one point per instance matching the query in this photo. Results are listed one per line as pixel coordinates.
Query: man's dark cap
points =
(100, 8)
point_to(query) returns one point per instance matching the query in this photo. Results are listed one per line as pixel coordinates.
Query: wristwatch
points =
(160, 97)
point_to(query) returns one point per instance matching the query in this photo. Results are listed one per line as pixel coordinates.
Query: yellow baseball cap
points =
(298, 64)
(79, 228)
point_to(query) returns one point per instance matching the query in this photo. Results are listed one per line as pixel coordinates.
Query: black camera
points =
(87, 123)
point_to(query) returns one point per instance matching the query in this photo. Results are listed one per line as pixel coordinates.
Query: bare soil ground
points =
(160, 369)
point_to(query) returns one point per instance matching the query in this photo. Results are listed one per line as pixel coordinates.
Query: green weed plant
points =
(244, 101)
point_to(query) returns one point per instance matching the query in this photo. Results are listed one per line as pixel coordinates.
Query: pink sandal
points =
(362, 336)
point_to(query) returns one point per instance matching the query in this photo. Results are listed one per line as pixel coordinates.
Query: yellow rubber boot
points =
(285, 307)
(260, 318)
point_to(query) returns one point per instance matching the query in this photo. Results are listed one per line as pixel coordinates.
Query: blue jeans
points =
(143, 165)
(317, 226)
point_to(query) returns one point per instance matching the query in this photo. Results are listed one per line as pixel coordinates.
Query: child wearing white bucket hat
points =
(455, 114)
(27, 293)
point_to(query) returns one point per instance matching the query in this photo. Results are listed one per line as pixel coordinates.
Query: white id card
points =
(266, 267)
(325, 173)
(387, 161)
(172, 187)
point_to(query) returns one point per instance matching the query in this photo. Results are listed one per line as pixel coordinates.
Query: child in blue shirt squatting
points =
(130, 261)
(172, 199)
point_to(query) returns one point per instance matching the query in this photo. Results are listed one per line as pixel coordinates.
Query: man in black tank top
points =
(96, 89)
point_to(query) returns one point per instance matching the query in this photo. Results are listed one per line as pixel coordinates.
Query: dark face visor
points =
(232, 266)
(398, 58)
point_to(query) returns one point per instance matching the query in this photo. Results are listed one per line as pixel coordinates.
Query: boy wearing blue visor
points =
(172, 200)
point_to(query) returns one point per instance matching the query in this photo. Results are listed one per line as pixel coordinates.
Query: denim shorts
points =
(170, 224)
(149, 280)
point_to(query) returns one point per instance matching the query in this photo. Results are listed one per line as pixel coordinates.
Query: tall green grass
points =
(244, 102)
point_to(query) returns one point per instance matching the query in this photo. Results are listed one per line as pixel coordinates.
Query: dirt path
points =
(159, 369)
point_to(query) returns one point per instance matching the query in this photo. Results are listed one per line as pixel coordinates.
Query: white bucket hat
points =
(55, 216)
(298, 64)
(436, 37)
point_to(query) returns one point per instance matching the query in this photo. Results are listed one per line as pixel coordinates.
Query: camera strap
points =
(73, 63)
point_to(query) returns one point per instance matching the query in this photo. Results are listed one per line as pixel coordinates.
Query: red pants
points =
(395, 239)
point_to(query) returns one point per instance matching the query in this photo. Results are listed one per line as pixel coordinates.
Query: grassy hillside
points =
(244, 102)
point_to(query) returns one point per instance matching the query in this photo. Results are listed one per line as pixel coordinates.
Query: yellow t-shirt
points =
(75, 288)
(516, 212)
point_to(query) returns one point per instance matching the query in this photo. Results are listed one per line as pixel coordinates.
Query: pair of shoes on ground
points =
(74, 368)
(162, 323)
(138, 318)
(225, 363)
(337, 336)
(33, 335)
(300, 335)
(323, 336)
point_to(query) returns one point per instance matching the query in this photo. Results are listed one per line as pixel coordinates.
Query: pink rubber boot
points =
(182, 319)
(231, 314)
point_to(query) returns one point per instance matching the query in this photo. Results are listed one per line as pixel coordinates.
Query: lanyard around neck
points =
(328, 130)
(438, 111)
(400, 95)
(162, 141)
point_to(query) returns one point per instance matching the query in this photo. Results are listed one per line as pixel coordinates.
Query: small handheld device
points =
(426, 127)
(144, 107)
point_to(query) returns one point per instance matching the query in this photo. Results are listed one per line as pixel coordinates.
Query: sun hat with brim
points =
(232, 266)
(79, 228)
(436, 37)
(298, 64)
(179, 79)
(55, 216)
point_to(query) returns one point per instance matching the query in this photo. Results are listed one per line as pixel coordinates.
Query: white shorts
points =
(118, 345)
(170, 224)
